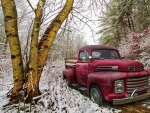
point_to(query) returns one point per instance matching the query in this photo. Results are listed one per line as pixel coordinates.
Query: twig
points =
(37, 97)
(30, 5)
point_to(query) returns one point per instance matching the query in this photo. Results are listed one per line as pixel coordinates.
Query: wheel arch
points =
(92, 84)
(97, 86)
(101, 96)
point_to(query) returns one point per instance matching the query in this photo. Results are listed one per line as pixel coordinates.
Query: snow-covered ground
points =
(56, 98)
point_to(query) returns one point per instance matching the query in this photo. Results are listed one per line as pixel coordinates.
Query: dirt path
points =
(133, 108)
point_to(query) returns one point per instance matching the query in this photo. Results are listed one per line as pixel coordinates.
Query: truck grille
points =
(140, 83)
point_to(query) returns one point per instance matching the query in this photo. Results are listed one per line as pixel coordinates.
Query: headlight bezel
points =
(119, 86)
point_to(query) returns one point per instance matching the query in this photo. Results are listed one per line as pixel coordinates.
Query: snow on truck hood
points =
(117, 65)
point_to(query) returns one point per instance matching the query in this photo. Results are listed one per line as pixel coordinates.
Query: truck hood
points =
(117, 65)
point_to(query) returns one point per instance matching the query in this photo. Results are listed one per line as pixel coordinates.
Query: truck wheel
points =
(96, 95)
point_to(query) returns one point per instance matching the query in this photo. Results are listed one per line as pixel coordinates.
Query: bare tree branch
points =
(31, 6)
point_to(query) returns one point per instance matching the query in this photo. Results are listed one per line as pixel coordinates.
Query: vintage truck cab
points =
(104, 75)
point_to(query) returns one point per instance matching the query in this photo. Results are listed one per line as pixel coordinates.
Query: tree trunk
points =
(49, 35)
(32, 89)
(11, 30)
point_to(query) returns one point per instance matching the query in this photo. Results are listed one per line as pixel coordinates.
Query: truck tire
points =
(96, 95)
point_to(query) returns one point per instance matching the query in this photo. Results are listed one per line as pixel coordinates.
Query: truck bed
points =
(70, 62)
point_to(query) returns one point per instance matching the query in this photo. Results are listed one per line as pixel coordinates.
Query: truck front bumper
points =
(131, 99)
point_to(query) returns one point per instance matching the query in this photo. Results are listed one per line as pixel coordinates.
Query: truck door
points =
(82, 68)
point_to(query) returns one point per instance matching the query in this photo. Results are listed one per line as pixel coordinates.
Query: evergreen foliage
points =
(121, 18)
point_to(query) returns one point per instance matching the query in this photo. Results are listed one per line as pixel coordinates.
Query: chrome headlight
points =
(148, 80)
(119, 86)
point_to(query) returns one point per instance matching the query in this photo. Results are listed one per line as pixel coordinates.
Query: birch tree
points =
(38, 50)
(11, 30)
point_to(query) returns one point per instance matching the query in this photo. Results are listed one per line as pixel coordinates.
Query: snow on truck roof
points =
(97, 47)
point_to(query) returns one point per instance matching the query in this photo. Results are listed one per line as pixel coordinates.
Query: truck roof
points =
(90, 47)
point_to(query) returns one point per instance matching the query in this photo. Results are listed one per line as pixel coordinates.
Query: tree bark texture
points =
(47, 39)
(11, 30)
(32, 89)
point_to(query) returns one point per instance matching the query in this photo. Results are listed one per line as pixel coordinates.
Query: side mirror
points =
(90, 58)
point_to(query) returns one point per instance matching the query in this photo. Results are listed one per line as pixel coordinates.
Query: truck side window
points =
(83, 54)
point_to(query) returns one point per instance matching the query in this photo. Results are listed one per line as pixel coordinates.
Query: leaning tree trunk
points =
(49, 35)
(11, 30)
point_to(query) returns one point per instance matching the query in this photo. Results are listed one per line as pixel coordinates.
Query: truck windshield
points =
(105, 54)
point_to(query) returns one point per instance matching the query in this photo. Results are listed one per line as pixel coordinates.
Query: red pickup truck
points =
(104, 75)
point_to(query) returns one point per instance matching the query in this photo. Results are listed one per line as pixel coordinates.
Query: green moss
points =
(36, 29)
(40, 2)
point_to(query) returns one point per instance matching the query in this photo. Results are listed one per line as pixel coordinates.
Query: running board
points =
(80, 88)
